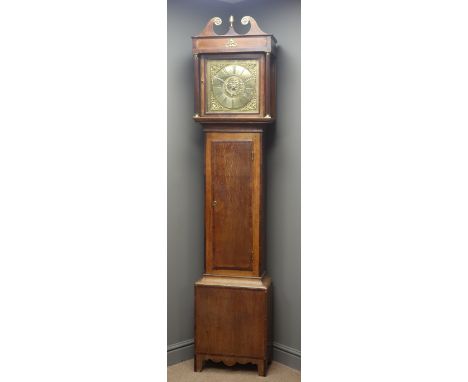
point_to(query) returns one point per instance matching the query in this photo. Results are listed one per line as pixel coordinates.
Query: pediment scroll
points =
(216, 21)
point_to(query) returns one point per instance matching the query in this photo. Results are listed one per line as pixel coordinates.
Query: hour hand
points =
(218, 78)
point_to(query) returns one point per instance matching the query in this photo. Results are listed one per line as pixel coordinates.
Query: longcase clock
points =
(235, 92)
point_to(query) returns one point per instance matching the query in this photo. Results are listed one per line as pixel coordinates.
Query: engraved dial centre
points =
(234, 86)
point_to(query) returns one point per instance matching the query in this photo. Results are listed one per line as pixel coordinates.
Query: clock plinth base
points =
(233, 321)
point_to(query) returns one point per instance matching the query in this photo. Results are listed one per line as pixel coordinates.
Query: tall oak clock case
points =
(235, 94)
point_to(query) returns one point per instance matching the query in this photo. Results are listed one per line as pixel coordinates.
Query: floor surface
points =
(217, 372)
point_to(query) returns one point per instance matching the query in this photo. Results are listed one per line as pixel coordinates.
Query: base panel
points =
(233, 323)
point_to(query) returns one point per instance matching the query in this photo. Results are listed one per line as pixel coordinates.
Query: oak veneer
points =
(233, 322)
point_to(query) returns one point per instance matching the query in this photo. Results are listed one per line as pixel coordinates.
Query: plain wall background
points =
(185, 165)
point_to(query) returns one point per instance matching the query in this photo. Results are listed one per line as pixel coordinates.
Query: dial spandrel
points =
(232, 86)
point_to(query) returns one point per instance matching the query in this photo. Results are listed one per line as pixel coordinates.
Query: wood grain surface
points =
(232, 325)
(232, 173)
(232, 203)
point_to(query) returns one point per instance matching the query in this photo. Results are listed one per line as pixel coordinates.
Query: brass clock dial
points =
(232, 86)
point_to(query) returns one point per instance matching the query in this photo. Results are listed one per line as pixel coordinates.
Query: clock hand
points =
(223, 81)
